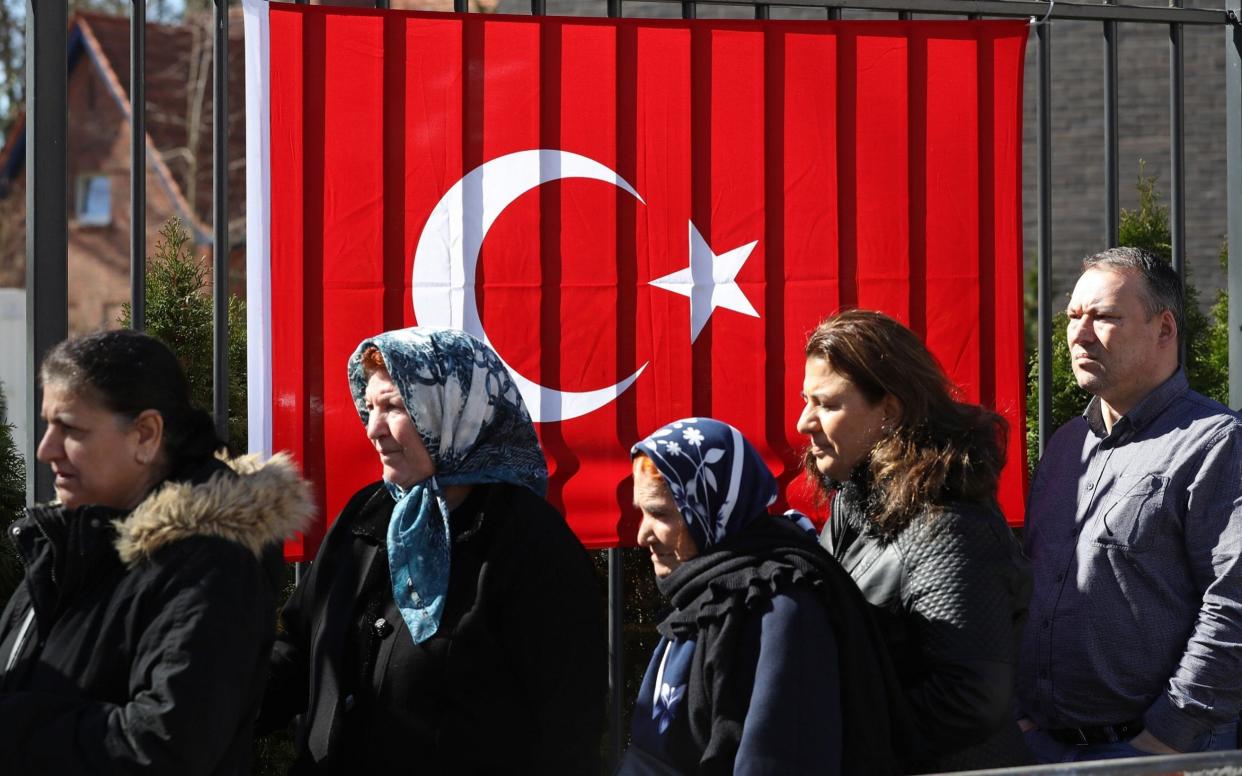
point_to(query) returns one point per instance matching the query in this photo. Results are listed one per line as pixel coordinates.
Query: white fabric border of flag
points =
(258, 230)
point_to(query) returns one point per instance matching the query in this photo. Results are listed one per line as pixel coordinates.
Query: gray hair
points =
(1162, 287)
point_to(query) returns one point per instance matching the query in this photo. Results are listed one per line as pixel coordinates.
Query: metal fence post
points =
(1177, 149)
(1112, 208)
(1177, 158)
(138, 166)
(47, 230)
(1044, 249)
(616, 653)
(220, 220)
(1233, 157)
(616, 613)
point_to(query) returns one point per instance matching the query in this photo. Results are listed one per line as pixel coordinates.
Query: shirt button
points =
(1090, 486)
(1060, 577)
(17, 530)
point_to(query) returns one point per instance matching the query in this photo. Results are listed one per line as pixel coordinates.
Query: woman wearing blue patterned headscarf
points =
(767, 662)
(430, 630)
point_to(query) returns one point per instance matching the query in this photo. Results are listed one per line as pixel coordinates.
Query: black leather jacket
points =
(950, 593)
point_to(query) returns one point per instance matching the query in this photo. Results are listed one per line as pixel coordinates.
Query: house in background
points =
(179, 154)
(179, 159)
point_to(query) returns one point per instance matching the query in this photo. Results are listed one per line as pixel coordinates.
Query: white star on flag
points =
(709, 281)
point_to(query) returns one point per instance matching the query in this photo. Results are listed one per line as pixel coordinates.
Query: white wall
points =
(13, 360)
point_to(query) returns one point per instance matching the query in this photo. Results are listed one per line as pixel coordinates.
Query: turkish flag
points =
(645, 218)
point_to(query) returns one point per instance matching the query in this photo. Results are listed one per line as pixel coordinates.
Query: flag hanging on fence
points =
(644, 218)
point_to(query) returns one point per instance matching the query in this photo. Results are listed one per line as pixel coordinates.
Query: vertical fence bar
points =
(1177, 155)
(689, 10)
(461, 6)
(538, 7)
(1177, 148)
(763, 11)
(616, 603)
(1044, 245)
(1233, 164)
(1112, 206)
(616, 654)
(47, 228)
(616, 607)
(834, 14)
(220, 220)
(138, 166)
(381, 4)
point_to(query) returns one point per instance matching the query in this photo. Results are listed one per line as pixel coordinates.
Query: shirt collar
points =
(1143, 413)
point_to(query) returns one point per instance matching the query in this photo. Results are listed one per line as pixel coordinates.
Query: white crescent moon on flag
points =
(448, 254)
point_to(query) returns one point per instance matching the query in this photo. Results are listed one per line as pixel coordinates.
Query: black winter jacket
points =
(950, 593)
(138, 643)
(513, 681)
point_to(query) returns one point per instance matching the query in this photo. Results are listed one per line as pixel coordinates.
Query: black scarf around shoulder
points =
(709, 593)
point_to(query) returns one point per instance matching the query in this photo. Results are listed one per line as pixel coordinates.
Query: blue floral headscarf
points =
(474, 425)
(718, 480)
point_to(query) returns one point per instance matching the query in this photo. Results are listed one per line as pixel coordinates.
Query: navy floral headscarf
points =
(474, 425)
(718, 480)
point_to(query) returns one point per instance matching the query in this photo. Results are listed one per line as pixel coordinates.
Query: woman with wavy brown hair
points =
(911, 476)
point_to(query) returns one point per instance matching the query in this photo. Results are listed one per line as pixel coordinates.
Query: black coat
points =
(141, 646)
(949, 593)
(513, 681)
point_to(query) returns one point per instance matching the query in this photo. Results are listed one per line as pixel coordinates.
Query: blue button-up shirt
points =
(1134, 538)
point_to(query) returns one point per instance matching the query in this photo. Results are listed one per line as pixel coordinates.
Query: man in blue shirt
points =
(1134, 531)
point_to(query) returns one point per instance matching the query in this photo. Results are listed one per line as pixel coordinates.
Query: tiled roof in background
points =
(179, 99)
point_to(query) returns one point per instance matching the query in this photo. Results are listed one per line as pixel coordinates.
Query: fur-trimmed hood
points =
(258, 504)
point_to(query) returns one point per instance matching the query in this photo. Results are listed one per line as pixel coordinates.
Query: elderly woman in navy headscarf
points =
(767, 663)
(451, 622)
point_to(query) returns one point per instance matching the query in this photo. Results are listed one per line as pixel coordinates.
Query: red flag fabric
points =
(645, 218)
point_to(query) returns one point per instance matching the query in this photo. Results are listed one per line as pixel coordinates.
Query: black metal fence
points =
(46, 162)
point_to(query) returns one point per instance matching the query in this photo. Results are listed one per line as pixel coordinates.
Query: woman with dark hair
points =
(451, 620)
(911, 475)
(138, 640)
(767, 662)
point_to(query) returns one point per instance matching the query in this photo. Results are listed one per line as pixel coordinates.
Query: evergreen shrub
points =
(179, 313)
